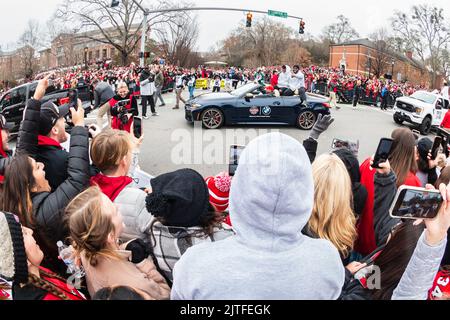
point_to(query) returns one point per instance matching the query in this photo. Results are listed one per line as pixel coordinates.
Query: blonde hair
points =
(332, 217)
(122, 85)
(90, 226)
(109, 148)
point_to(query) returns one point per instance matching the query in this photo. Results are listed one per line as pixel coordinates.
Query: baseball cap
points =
(50, 114)
(8, 126)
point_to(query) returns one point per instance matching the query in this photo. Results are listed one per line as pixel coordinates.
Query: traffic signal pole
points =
(143, 39)
(148, 12)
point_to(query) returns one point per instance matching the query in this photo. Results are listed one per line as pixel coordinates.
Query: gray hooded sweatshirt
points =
(271, 201)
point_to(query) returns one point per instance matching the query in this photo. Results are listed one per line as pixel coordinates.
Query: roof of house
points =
(370, 44)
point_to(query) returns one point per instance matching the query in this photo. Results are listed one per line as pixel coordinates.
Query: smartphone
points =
(416, 203)
(235, 154)
(383, 152)
(137, 124)
(73, 98)
(437, 143)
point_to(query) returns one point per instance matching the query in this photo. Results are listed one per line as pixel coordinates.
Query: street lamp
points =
(86, 49)
(393, 63)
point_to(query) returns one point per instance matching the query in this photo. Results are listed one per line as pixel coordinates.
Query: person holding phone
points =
(403, 159)
(427, 172)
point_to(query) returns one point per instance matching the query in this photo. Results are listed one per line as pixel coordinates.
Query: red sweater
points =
(446, 122)
(366, 244)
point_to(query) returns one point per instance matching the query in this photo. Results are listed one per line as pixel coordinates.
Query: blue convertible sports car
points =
(247, 105)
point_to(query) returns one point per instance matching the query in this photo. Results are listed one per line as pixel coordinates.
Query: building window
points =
(97, 54)
(113, 53)
(90, 55)
(105, 53)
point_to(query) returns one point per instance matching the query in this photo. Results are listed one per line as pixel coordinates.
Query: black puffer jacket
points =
(358, 190)
(56, 160)
(48, 207)
(385, 191)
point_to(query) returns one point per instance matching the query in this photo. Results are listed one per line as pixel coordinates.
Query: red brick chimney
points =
(409, 54)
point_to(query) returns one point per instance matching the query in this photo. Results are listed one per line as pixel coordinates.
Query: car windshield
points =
(244, 89)
(424, 97)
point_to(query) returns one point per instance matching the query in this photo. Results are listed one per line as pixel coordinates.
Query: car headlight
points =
(195, 106)
(419, 110)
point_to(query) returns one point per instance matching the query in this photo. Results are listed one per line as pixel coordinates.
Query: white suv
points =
(423, 109)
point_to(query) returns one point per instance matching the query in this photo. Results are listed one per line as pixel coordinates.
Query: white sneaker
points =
(155, 114)
(146, 118)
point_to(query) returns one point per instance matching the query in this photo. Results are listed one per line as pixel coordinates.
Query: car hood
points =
(414, 102)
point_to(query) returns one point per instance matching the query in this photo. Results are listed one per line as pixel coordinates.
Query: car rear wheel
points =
(212, 118)
(425, 127)
(306, 120)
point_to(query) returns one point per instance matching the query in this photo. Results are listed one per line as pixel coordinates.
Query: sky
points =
(365, 16)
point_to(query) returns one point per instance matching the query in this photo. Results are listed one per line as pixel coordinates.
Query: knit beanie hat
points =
(219, 191)
(13, 258)
(180, 198)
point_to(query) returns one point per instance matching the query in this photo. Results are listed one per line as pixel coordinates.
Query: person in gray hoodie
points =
(271, 201)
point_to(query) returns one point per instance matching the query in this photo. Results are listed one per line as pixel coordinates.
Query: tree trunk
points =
(124, 58)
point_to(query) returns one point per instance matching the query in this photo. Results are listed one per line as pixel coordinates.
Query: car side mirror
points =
(249, 96)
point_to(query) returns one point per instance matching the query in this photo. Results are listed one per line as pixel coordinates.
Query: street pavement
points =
(170, 142)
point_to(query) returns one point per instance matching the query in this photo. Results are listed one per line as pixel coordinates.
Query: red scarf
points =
(2, 152)
(46, 141)
(111, 186)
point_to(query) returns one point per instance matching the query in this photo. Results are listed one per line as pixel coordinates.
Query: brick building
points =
(366, 58)
(76, 49)
(16, 64)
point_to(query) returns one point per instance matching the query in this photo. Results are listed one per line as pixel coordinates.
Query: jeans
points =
(216, 89)
(191, 92)
(158, 95)
(145, 100)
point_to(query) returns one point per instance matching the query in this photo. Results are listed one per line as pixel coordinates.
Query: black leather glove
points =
(139, 251)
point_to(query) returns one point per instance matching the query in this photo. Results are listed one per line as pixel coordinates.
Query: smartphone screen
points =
(137, 123)
(383, 152)
(417, 204)
(235, 154)
(437, 143)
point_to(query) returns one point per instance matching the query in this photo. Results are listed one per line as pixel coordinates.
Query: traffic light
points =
(249, 20)
(115, 3)
(302, 27)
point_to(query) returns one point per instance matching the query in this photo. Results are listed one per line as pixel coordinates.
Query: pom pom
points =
(156, 204)
(223, 182)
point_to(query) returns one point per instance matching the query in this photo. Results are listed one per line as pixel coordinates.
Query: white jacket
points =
(284, 78)
(297, 82)
(147, 88)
